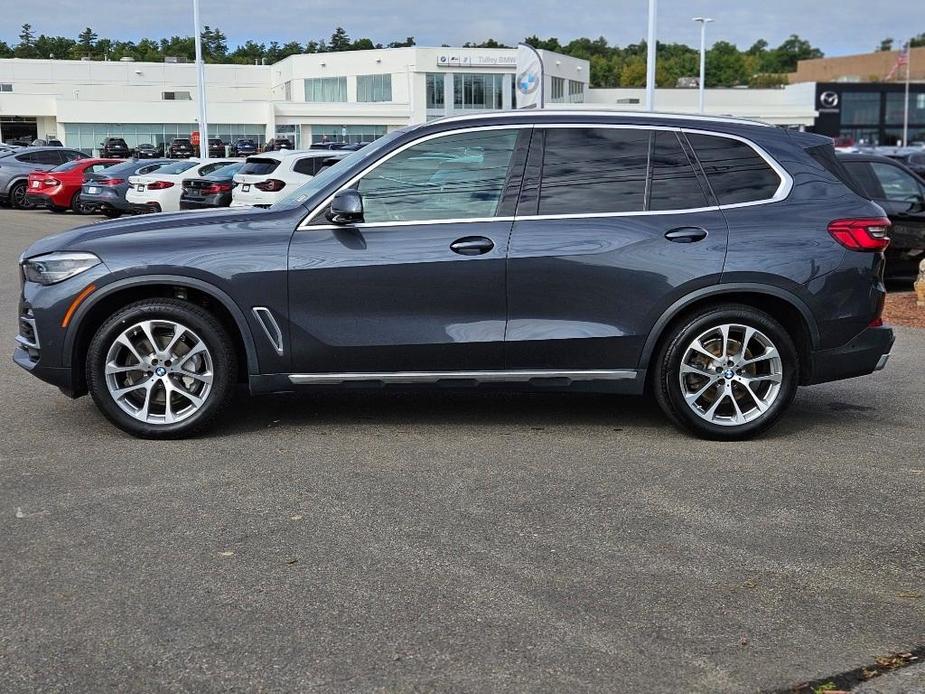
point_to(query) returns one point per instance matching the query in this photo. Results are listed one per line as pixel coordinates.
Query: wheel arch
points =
(101, 304)
(787, 308)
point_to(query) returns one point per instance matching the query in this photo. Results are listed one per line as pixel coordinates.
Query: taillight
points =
(51, 182)
(160, 185)
(868, 234)
(215, 188)
(271, 185)
(108, 181)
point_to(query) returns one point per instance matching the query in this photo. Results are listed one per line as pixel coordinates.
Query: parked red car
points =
(59, 188)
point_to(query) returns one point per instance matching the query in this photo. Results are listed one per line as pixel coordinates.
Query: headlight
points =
(56, 267)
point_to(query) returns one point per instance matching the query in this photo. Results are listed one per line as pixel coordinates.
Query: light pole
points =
(201, 86)
(703, 55)
(650, 57)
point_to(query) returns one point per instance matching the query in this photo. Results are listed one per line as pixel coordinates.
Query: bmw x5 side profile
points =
(717, 264)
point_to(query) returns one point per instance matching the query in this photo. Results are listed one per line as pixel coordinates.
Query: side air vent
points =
(270, 327)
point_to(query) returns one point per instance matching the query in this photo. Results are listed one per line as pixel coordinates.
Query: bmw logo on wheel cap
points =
(160, 371)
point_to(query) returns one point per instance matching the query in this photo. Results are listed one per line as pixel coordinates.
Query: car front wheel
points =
(726, 372)
(161, 368)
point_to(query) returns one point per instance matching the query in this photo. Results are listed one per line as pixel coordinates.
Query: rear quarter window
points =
(735, 171)
(825, 155)
(308, 165)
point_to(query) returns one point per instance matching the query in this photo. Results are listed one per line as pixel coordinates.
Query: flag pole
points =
(906, 105)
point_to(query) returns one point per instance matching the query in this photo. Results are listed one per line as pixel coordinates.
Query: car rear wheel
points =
(77, 206)
(161, 368)
(18, 198)
(726, 372)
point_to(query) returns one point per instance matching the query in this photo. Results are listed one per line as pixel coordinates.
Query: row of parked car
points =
(61, 179)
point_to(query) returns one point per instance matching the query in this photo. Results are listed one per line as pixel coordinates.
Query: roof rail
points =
(556, 113)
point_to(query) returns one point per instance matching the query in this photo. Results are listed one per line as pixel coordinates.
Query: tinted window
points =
(825, 155)
(146, 169)
(896, 183)
(736, 172)
(674, 183)
(182, 141)
(308, 166)
(258, 166)
(861, 172)
(96, 168)
(71, 155)
(457, 176)
(594, 170)
(67, 166)
(226, 171)
(212, 166)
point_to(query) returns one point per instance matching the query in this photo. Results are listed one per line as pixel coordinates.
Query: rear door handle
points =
(686, 234)
(472, 245)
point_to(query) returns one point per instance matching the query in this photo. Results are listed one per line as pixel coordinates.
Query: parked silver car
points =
(16, 165)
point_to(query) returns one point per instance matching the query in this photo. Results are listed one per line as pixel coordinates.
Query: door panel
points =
(590, 268)
(397, 298)
(584, 293)
(419, 285)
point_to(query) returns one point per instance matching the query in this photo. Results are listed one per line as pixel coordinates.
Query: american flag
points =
(901, 61)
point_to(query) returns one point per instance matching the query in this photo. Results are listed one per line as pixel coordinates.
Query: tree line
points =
(611, 66)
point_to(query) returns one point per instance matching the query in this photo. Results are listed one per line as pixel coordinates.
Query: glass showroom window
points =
(475, 91)
(374, 88)
(87, 136)
(860, 108)
(896, 105)
(576, 92)
(326, 89)
(435, 98)
(355, 133)
(557, 90)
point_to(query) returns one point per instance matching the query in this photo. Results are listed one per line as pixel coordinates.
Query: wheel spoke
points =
(146, 407)
(120, 393)
(179, 332)
(126, 342)
(749, 334)
(113, 368)
(769, 353)
(695, 396)
(149, 335)
(698, 347)
(205, 377)
(709, 414)
(755, 399)
(724, 331)
(738, 417)
(697, 371)
(183, 392)
(774, 378)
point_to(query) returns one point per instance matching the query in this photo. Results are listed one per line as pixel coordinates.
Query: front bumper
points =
(867, 352)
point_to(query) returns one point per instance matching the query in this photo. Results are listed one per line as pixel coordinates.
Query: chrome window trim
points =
(496, 376)
(783, 190)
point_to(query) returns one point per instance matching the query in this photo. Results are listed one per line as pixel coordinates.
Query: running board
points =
(515, 376)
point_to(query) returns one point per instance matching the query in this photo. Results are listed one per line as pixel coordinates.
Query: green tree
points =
(86, 41)
(886, 45)
(5, 50)
(407, 43)
(26, 46)
(249, 53)
(214, 45)
(725, 66)
(917, 41)
(54, 46)
(340, 41)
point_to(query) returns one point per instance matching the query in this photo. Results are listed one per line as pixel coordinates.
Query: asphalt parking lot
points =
(469, 542)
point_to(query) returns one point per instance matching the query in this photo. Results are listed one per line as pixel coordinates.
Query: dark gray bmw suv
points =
(716, 263)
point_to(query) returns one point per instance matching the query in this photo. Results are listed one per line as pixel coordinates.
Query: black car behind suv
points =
(180, 148)
(114, 148)
(715, 263)
(901, 193)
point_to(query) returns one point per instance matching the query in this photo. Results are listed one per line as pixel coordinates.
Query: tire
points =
(731, 400)
(18, 199)
(112, 214)
(77, 207)
(196, 376)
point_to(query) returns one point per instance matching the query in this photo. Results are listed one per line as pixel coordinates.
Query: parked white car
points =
(160, 190)
(271, 176)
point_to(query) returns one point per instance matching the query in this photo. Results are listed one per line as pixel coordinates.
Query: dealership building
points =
(353, 96)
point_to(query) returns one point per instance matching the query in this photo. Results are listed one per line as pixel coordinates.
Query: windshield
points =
(324, 177)
(177, 168)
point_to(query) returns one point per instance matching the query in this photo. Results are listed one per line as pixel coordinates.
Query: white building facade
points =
(351, 96)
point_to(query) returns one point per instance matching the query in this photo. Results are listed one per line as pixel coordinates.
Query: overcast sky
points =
(837, 26)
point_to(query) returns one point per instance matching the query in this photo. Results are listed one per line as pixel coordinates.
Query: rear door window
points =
(674, 184)
(864, 176)
(308, 166)
(594, 170)
(735, 171)
(259, 166)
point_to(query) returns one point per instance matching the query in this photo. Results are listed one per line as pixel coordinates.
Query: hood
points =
(81, 238)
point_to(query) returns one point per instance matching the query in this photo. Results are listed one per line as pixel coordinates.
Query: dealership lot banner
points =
(529, 77)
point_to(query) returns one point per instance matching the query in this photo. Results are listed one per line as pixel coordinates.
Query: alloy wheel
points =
(159, 371)
(731, 374)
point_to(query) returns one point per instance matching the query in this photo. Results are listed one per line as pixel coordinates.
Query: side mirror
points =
(346, 207)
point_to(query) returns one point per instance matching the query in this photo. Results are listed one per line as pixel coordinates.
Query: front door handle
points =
(472, 245)
(686, 234)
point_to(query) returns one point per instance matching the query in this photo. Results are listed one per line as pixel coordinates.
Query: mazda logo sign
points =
(828, 99)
